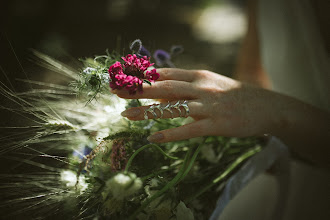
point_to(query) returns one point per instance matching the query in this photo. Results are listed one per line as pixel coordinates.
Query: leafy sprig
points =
(94, 77)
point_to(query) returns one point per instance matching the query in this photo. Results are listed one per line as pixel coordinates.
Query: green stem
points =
(181, 174)
(141, 149)
(165, 188)
(237, 162)
(159, 172)
(138, 102)
(192, 161)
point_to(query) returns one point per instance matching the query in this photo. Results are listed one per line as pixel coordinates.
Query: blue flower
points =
(163, 58)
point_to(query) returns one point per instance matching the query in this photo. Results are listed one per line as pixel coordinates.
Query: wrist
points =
(302, 127)
(279, 115)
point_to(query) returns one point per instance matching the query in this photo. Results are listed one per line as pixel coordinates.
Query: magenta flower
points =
(132, 73)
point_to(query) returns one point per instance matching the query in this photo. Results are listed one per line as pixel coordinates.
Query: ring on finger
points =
(186, 107)
(177, 107)
(160, 109)
(168, 107)
(151, 110)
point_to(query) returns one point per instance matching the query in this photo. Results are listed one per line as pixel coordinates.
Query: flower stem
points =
(159, 172)
(138, 102)
(231, 167)
(191, 163)
(141, 149)
(165, 188)
(186, 166)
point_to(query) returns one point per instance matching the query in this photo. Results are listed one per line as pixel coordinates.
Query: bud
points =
(123, 185)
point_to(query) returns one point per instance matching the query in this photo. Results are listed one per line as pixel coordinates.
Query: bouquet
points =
(83, 160)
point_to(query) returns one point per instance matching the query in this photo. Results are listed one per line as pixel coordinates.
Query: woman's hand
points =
(225, 107)
(219, 105)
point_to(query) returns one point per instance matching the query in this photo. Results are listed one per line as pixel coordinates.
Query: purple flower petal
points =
(161, 57)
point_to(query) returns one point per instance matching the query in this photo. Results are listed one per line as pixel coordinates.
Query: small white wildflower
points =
(123, 185)
(89, 70)
(105, 77)
(70, 179)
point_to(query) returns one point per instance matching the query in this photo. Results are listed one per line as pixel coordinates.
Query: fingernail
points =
(131, 112)
(155, 137)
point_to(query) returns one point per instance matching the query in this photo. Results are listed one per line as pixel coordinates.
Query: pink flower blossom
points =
(131, 74)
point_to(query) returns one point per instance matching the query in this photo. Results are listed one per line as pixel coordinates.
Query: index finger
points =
(167, 89)
(177, 74)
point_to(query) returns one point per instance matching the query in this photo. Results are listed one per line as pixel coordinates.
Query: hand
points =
(219, 105)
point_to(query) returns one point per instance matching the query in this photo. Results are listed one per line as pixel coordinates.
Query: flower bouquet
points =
(83, 160)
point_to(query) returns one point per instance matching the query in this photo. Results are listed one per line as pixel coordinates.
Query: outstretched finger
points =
(194, 129)
(172, 109)
(177, 74)
(168, 89)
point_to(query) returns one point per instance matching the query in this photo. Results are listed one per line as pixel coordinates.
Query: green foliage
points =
(94, 77)
(129, 135)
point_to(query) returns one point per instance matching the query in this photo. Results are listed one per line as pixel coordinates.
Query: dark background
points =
(85, 28)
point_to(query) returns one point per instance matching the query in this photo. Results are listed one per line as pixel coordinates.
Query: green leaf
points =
(183, 213)
(147, 81)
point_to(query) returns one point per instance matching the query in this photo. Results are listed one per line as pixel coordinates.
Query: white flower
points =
(70, 179)
(123, 185)
(89, 70)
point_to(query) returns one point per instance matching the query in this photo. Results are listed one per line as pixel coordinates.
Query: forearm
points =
(304, 128)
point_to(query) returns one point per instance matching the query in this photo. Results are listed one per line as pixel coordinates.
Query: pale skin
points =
(222, 106)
